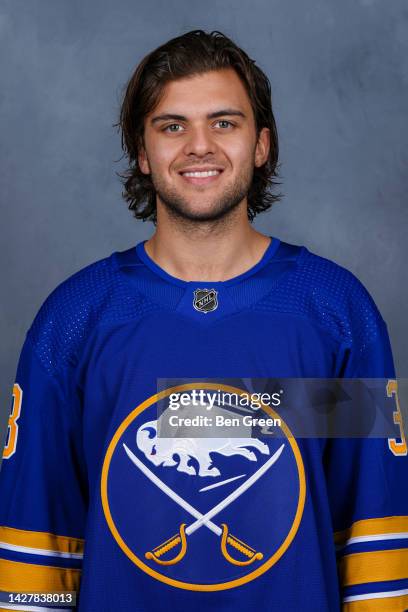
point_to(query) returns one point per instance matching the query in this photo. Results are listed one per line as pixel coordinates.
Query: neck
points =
(211, 252)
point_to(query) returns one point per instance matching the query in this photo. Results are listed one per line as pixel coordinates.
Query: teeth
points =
(198, 174)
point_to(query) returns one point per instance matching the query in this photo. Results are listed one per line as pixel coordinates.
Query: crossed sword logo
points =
(204, 519)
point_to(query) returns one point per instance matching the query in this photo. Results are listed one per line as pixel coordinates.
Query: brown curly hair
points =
(194, 52)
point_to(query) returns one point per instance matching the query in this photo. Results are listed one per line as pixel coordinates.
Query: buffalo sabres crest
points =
(201, 513)
(205, 300)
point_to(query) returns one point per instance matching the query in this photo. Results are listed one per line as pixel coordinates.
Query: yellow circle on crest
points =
(269, 562)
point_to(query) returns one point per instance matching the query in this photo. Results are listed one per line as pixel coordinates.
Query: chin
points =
(204, 215)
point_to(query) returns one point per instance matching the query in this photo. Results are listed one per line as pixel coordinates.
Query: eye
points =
(225, 121)
(166, 129)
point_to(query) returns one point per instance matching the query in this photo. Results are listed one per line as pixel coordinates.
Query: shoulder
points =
(71, 311)
(336, 283)
(329, 295)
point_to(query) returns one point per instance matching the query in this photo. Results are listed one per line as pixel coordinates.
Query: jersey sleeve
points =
(43, 485)
(366, 482)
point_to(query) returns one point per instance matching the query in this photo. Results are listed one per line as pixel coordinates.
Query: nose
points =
(200, 142)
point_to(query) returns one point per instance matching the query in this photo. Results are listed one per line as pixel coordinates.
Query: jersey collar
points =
(148, 261)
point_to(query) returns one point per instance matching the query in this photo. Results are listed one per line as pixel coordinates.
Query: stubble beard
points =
(183, 209)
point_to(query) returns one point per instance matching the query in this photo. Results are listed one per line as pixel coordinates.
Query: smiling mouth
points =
(201, 178)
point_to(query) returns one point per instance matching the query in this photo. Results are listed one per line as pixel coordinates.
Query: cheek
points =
(164, 157)
(160, 155)
(240, 150)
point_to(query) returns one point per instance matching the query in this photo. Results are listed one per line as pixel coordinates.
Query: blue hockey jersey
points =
(92, 501)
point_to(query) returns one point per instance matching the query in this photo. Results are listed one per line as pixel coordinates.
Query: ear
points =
(262, 147)
(142, 159)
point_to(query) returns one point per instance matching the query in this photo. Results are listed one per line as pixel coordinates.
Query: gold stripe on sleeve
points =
(17, 576)
(383, 604)
(41, 539)
(376, 566)
(373, 526)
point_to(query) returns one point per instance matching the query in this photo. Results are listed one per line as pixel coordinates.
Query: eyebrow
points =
(220, 113)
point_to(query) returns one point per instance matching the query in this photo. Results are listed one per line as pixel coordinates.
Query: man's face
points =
(203, 123)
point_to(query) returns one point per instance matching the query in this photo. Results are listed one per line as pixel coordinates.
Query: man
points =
(93, 500)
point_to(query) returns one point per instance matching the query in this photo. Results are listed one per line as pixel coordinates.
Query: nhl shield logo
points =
(205, 300)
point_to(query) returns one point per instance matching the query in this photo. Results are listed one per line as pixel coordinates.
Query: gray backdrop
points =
(339, 75)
